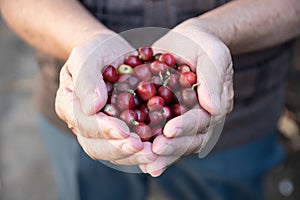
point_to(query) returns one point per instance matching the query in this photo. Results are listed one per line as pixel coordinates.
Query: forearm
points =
(249, 25)
(53, 26)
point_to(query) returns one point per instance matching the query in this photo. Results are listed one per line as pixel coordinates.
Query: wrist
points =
(203, 36)
(88, 35)
(206, 26)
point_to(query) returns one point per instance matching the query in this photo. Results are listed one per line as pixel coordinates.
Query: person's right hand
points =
(81, 95)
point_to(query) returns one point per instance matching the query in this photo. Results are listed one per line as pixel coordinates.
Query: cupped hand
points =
(81, 95)
(198, 130)
(183, 135)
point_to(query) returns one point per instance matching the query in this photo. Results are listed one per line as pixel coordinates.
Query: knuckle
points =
(86, 149)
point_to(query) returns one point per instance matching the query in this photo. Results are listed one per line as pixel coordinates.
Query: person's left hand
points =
(198, 130)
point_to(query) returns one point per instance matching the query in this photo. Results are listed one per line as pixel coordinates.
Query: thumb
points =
(210, 88)
(88, 85)
(92, 94)
(190, 123)
(86, 63)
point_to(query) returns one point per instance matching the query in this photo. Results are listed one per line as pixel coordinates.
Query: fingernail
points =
(133, 144)
(129, 148)
(157, 173)
(174, 131)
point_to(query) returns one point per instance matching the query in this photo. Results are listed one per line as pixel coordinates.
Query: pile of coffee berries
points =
(147, 90)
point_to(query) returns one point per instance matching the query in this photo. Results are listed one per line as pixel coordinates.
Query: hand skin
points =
(81, 95)
(250, 25)
(187, 134)
(53, 26)
(242, 26)
(65, 29)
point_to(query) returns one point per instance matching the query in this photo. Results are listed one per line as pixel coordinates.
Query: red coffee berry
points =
(129, 117)
(110, 74)
(123, 87)
(143, 131)
(158, 67)
(155, 103)
(166, 93)
(146, 90)
(141, 116)
(187, 79)
(142, 72)
(132, 61)
(133, 81)
(125, 101)
(144, 109)
(109, 88)
(189, 97)
(178, 109)
(156, 118)
(172, 81)
(145, 53)
(166, 112)
(158, 81)
(168, 58)
(183, 68)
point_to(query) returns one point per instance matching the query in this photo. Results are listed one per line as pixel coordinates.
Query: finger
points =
(65, 97)
(158, 166)
(90, 87)
(228, 89)
(210, 85)
(158, 172)
(86, 64)
(142, 157)
(177, 146)
(194, 121)
(64, 102)
(103, 126)
(212, 136)
(143, 168)
(103, 149)
(214, 68)
(68, 108)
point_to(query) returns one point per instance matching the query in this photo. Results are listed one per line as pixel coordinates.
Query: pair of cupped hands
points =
(82, 93)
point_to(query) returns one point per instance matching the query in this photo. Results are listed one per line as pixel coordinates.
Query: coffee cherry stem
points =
(161, 76)
(133, 122)
(131, 91)
(165, 83)
(168, 73)
(195, 85)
